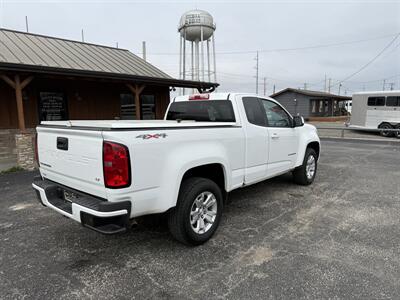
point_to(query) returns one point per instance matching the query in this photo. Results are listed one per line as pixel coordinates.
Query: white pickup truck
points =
(104, 174)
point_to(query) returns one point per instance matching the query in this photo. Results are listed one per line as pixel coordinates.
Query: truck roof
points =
(393, 92)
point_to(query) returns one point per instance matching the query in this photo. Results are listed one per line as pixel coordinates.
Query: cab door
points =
(256, 153)
(283, 138)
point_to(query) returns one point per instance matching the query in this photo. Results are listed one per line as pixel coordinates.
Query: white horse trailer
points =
(376, 110)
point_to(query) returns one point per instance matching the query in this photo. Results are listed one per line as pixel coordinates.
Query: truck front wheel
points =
(198, 211)
(305, 174)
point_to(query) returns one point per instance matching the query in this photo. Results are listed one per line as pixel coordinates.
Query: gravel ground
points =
(338, 238)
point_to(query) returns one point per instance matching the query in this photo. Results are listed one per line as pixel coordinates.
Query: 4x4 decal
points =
(152, 136)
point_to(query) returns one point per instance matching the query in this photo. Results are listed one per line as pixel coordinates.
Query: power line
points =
(371, 61)
(289, 49)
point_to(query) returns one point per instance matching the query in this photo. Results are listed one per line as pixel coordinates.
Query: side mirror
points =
(298, 121)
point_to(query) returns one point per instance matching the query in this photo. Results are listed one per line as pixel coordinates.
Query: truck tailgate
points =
(73, 158)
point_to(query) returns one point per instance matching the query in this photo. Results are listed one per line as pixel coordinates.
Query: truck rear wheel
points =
(198, 211)
(305, 174)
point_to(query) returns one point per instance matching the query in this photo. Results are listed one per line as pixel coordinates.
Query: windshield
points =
(202, 111)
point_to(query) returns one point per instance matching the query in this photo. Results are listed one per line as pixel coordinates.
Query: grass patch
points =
(12, 170)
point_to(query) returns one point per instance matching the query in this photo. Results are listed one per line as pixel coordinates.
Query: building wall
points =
(301, 106)
(86, 100)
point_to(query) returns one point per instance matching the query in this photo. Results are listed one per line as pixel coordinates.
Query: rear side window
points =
(202, 111)
(376, 101)
(254, 111)
(393, 101)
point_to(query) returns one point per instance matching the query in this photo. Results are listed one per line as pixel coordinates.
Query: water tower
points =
(197, 27)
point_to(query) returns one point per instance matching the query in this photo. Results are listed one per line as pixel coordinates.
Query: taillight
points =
(199, 97)
(116, 165)
(36, 148)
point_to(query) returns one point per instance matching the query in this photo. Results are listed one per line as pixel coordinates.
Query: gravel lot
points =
(338, 238)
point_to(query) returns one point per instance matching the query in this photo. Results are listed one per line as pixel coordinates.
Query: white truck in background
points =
(105, 173)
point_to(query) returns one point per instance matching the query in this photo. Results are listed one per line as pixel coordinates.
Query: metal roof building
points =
(38, 53)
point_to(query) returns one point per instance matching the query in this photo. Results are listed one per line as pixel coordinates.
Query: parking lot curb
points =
(363, 141)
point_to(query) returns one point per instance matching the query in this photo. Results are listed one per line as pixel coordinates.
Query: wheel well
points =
(315, 146)
(385, 123)
(214, 172)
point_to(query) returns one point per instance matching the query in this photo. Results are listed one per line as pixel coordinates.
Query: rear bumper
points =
(97, 214)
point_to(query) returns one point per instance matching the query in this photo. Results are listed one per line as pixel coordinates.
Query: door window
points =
(276, 115)
(254, 111)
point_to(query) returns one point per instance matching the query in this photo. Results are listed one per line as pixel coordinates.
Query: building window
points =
(313, 106)
(148, 103)
(376, 101)
(52, 106)
(128, 107)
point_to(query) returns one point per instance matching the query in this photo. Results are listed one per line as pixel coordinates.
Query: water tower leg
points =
(180, 56)
(208, 60)
(192, 58)
(197, 61)
(184, 60)
(215, 64)
(202, 52)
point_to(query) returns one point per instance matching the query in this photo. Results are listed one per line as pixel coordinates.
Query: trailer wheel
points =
(397, 133)
(386, 126)
(198, 211)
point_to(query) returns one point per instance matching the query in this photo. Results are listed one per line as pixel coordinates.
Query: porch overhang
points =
(126, 78)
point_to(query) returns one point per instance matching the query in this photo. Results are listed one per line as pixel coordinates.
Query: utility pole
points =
(329, 85)
(265, 86)
(340, 85)
(384, 84)
(257, 73)
(305, 85)
(83, 36)
(117, 45)
(26, 24)
(144, 49)
(391, 86)
(325, 84)
(274, 90)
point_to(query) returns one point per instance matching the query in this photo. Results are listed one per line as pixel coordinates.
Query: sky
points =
(354, 42)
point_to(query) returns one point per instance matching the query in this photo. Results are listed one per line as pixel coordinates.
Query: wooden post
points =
(18, 86)
(136, 91)
(20, 104)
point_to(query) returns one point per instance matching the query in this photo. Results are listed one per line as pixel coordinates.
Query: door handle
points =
(275, 136)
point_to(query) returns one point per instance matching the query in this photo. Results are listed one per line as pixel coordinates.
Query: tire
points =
(385, 126)
(191, 206)
(303, 175)
(397, 133)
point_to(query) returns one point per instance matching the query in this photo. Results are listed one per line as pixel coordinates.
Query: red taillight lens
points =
(36, 148)
(199, 97)
(116, 165)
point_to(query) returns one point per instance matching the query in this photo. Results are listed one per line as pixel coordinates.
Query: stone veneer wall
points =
(24, 143)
